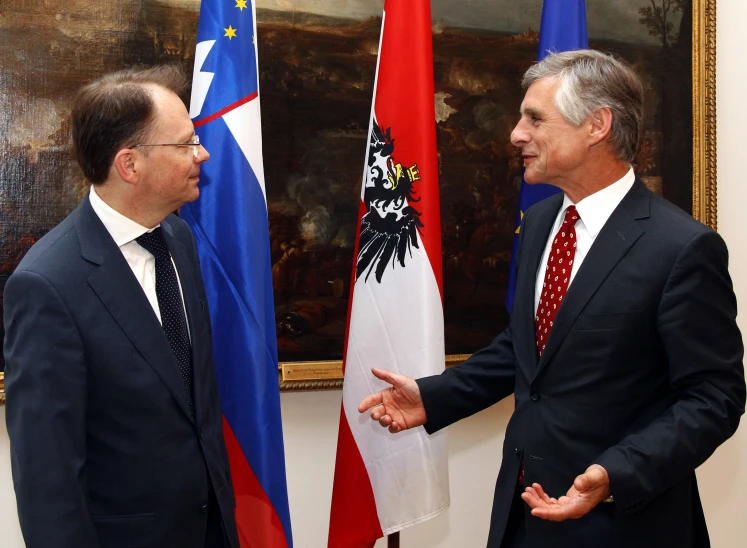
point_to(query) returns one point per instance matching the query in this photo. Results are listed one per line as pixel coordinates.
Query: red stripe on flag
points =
(354, 522)
(256, 519)
(226, 110)
(408, 109)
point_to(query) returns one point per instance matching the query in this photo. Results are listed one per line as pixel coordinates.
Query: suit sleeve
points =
(697, 326)
(45, 378)
(488, 376)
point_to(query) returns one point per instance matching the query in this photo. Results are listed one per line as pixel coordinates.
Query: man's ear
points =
(124, 163)
(600, 125)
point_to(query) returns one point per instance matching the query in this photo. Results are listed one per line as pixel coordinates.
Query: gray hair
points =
(590, 80)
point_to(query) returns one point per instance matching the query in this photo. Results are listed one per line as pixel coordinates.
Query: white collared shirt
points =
(594, 211)
(143, 264)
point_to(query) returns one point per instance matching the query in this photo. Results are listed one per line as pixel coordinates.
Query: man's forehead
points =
(540, 94)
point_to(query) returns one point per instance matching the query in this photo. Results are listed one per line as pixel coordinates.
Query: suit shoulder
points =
(53, 251)
(674, 222)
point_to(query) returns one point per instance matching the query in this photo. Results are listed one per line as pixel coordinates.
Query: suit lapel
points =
(125, 300)
(612, 243)
(533, 244)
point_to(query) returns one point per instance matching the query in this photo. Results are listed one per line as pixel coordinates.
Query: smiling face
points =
(169, 174)
(553, 149)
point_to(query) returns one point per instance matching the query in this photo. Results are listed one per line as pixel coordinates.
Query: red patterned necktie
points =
(557, 277)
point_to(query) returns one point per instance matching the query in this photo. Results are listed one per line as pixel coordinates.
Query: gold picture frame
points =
(324, 375)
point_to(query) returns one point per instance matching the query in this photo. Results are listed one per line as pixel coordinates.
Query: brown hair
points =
(117, 111)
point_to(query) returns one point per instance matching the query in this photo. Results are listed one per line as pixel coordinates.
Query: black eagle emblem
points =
(389, 228)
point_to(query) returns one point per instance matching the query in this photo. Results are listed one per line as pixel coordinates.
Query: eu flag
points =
(563, 28)
(229, 222)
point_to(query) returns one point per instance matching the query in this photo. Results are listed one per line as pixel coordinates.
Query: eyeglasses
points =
(194, 142)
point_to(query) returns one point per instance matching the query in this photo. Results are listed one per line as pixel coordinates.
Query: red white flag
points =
(385, 482)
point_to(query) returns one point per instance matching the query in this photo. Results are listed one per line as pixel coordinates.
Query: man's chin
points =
(529, 178)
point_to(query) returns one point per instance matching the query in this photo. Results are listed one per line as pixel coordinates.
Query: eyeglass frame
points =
(194, 142)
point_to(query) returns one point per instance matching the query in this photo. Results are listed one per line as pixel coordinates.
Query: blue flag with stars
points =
(563, 28)
(230, 224)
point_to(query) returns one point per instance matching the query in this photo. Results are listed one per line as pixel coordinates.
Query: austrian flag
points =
(384, 482)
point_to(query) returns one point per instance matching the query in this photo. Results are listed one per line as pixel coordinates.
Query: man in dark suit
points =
(622, 349)
(112, 402)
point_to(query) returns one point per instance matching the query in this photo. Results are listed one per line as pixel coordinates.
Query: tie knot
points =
(155, 243)
(571, 216)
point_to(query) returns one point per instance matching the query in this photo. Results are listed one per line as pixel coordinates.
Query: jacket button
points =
(199, 433)
(534, 396)
(204, 508)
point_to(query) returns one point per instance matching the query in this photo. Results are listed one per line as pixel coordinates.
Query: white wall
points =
(723, 478)
(310, 419)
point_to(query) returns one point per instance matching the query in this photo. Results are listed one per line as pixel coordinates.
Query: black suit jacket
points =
(642, 374)
(104, 449)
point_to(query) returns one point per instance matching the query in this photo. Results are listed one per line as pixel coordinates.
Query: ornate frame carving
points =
(295, 376)
(704, 112)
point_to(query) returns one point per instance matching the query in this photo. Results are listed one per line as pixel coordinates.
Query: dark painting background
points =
(316, 81)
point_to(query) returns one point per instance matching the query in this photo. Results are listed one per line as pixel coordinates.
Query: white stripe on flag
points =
(398, 325)
(245, 125)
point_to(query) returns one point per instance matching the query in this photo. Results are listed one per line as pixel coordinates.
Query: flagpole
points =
(392, 541)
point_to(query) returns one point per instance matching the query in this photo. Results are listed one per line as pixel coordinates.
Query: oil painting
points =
(317, 62)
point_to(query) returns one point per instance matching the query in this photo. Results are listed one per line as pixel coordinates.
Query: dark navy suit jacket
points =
(104, 449)
(642, 374)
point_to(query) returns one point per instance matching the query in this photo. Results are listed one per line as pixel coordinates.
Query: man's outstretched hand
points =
(588, 490)
(399, 407)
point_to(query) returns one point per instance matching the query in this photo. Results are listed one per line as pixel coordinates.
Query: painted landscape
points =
(316, 81)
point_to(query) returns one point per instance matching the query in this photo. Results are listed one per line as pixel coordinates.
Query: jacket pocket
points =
(125, 531)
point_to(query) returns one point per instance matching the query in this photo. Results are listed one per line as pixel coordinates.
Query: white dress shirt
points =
(143, 264)
(593, 211)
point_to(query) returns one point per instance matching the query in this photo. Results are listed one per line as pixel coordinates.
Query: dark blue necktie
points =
(173, 320)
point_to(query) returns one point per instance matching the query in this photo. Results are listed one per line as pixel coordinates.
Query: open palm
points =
(588, 490)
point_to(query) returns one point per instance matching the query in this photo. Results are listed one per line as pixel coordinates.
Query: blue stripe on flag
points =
(230, 224)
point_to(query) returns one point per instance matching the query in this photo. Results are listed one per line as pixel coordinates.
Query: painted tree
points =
(658, 18)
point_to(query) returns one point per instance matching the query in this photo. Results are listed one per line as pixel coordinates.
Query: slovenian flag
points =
(229, 222)
(384, 482)
(563, 28)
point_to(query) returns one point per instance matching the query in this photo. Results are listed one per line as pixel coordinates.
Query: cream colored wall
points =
(310, 419)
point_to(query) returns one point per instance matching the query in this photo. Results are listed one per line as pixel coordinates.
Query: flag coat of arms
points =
(229, 222)
(384, 482)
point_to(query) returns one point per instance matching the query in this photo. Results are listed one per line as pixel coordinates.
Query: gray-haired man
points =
(623, 350)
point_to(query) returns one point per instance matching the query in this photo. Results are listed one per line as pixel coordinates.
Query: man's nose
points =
(202, 155)
(520, 135)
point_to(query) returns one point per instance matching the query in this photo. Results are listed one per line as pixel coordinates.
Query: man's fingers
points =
(540, 492)
(554, 513)
(384, 375)
(385, 420)
(531, 497)
(370, 401)
(377, 412)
